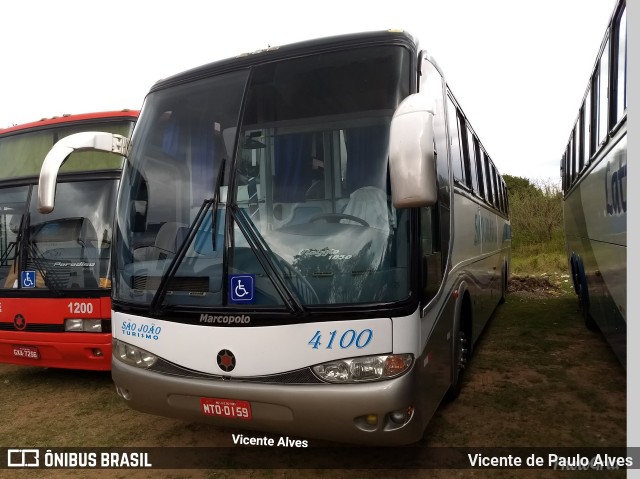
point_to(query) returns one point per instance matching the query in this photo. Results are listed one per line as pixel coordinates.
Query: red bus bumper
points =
(90, 351)
(32, 332)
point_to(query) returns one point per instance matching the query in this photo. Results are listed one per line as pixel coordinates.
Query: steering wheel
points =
(336, 217)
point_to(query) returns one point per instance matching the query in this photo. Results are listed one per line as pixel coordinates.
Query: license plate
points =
(229, 408)
(28, 352)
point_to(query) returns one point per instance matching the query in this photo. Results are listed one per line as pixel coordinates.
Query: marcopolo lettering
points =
(208, 318)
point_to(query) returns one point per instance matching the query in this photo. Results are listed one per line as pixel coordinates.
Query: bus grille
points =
(299, 376)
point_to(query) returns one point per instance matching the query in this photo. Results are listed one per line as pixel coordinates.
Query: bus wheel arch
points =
(462, 342)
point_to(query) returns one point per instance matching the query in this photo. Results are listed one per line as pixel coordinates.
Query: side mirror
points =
(58, 154)
(411, 156)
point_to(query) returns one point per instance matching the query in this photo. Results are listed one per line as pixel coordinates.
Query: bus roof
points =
(67, 118)
(274, 53)
(23, 148)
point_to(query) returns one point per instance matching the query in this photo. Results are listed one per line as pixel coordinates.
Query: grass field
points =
(538, 378)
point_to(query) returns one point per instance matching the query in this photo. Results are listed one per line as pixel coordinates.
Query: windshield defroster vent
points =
(190, 284)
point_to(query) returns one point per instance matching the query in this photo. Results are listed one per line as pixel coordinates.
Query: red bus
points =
(55, 286)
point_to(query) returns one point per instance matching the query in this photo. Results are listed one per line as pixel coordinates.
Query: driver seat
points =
(370, 204)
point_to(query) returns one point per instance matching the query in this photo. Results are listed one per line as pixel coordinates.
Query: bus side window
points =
(454, 141)
(479, 171)
(619, 80)
(431, 255)
(488, 183)
(469, 156)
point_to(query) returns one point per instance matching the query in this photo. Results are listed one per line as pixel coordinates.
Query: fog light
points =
(123, 393)
(398, 417)
(401, 416)
(372, 419)
(97, 352)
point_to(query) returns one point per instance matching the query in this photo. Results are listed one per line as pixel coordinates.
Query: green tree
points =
(517, 185)
(536, 213)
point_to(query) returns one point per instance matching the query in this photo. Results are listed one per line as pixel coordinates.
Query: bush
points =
(536, 225)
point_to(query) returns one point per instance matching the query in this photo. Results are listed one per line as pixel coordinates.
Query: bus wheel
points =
(503, 293)
(574, 274)
(460, 361)
(583, 299)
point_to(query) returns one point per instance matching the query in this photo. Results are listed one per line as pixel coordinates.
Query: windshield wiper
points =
(260, 249)
(34, 254)
(49, 276)
(4, 258)
(212, 203)
(216, 199)
(169, 274)
(262, 252)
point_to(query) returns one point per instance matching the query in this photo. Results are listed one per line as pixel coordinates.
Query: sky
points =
(519, 69)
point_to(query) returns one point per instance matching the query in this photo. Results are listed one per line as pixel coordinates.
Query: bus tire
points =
(504, 286)
(574, 273)
(584, 308)
(461, 350)
(583, 296)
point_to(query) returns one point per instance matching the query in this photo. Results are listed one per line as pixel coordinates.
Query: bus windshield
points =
(22, 154)
(304, 209)
(68, 249)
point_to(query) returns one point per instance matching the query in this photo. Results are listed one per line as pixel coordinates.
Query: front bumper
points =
(320, 411)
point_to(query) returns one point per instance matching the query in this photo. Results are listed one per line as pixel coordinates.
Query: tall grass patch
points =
(536, 226)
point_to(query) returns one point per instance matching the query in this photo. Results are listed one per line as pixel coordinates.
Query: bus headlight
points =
(369, 368)
(83, 325)
(133, 355)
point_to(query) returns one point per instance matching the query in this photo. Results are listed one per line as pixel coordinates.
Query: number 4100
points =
(347, 339)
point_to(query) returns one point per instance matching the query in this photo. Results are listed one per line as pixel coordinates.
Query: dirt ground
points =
(538, 379)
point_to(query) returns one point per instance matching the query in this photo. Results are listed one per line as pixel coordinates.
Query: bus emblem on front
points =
(19, 322)
(226, 360)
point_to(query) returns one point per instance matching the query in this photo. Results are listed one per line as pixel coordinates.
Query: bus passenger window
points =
(431, 256)
(586, 145)
(621, 64)
(488, 182)
(471, 150)
(603, 91)
(454, 141)
(479, 171)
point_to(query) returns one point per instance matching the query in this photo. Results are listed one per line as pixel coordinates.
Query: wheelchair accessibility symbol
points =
(28, 279)
(241, 288)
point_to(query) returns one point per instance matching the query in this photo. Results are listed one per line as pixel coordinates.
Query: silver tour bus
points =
(309, 240)
(594, 182)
